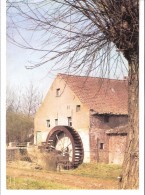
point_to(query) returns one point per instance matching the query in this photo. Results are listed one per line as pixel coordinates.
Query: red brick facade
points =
(117, 145)
(107, 147)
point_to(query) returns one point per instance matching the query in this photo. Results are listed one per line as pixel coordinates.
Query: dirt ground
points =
(31, 171)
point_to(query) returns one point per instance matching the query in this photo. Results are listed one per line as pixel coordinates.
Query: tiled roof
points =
(118, 130)
(104, 96)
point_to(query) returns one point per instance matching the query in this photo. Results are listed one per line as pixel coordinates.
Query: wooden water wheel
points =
(68, 143)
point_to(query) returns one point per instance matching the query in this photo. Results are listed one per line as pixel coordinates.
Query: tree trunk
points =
(130, 169)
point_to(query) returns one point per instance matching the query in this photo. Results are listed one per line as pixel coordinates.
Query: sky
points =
(17, 75)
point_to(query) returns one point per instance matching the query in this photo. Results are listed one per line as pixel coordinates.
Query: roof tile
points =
(104, 96)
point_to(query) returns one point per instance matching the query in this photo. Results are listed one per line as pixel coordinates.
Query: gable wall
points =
(61, 108)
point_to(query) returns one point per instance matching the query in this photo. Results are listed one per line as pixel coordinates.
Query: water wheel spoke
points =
(59, 142)
(63, 140)
(68, 142)
(68, 145)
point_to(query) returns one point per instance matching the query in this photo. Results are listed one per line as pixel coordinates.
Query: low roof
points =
(118, 130)
(104, 96)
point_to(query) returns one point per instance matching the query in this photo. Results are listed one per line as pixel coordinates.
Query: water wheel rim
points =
(73, 136)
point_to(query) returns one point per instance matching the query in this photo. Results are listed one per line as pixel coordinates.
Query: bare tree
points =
(32, 99)
(85, 35)
(25, 100)
(21, 105)
(13, 99)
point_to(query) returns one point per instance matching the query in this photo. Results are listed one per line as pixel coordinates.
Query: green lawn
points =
(30, 184)
(105, 173)
(100, 171)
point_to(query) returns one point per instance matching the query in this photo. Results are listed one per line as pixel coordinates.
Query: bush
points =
(47, 161)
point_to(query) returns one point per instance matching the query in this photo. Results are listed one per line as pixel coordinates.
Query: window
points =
(106, 119)
(58, 92)
(69, 121)
(56, 122)
(48, 123)
(78, 107)
(101, 146)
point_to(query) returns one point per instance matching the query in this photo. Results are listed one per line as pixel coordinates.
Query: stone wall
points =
(12, 154)
(15, 153)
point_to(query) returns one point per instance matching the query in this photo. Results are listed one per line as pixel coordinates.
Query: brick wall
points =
(105, 148)
(98, 146)
(114, 121)
(117, 145)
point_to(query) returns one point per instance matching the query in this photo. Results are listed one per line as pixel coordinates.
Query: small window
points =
(48, 123)
(106, 119)
(58, 92)
(69, 121)
(56, 122)
(78, 107)
(101, 146)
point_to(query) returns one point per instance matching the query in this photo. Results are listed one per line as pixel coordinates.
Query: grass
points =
(33, 184)
(100, 171)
